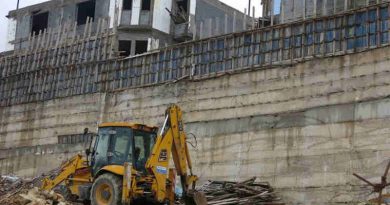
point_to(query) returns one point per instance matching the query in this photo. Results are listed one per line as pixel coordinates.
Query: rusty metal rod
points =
(387, 169)
(380, 198)
(363, 179)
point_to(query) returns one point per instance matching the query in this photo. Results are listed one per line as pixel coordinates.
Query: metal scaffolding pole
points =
(249, 8)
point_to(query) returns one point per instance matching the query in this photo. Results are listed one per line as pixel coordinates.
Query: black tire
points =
(107, 190)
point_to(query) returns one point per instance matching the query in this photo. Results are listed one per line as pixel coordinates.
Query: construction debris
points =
(246, 192)
(378, 187)
(9, 183)
(16, 191)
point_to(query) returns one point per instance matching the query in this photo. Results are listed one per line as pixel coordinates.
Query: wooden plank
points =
(114, 38)
(75, 50)
(29, 53)
(41, 49)
(36, 47)
(106, 41)
(121, 68)
(62, 45)
(55, 56)
(72, 44)
(94, 44)
(83, 41)
(47, 48)
(19, 64)
(69, 83)
(84, 77)
(57, 92)
(87, 50)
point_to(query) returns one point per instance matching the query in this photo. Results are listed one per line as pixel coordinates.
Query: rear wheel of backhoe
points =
(106, 190)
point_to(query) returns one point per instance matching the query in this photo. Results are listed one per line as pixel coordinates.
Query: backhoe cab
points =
(117, 143)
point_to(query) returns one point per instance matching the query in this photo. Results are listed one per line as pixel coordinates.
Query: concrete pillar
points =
(226, 27)
(210, 28)
(217, 25)
(201, 35)
(282, 11)
(324, 10)
(272, 12)
(62, 13)
(234, 21)
(194, 30)
(244, 21)
(253, 17)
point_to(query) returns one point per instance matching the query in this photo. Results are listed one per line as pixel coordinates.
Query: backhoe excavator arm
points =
(67, 170)
(171, 141)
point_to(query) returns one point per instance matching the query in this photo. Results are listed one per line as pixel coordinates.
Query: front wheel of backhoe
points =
(107, 190)
(65, 192)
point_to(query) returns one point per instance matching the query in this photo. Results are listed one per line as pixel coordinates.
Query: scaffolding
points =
(56, 66)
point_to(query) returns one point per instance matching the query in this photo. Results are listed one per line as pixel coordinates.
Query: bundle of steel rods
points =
(237, 193)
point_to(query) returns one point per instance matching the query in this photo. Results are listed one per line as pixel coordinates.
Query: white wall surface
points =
(136, 12)
(10, 35)
(120, 5)
(192, 7)
(161, 18)
(112, 12)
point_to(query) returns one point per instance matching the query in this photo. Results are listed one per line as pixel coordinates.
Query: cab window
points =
(121, 146)
(143, 145)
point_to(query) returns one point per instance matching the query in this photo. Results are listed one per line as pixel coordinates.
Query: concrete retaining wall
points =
(304, 128)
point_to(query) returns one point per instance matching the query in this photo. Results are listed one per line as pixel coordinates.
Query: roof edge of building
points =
(221, 4)
(41, 6)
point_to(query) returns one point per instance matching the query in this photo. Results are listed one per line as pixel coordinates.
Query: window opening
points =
(182, 5)
(127, 4)
(85, 10)
(141, 47)
(276, 8)
(124, 48)
(39, 22)
(145, 5)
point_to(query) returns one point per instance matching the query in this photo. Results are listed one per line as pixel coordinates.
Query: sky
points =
(8, 5)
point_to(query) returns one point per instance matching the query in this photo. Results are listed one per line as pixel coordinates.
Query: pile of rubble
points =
(16, 191)
(233, 193)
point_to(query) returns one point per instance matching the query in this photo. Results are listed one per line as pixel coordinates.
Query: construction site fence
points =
(67, 64)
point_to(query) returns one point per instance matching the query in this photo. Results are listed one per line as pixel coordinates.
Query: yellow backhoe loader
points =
(129, 164)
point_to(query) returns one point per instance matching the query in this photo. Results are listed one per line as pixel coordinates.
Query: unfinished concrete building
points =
(285, 11)
(303, 105)
(142, 25)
